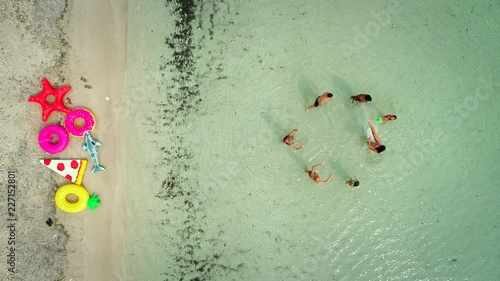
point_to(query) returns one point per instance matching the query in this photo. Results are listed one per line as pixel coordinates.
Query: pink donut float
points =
(48, 143)
(73, 128)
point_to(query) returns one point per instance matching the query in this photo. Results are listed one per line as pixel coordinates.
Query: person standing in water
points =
(361, 98)
(321, 100)
(373, 140)
(315, 177)
(388, 118)
(289, 140)
(353, 181)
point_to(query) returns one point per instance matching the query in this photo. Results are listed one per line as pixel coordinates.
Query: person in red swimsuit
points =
(289, 140)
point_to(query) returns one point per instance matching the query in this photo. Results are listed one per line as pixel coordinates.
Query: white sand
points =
(96, 33)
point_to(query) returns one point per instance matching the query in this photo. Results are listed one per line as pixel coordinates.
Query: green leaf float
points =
(93, 202)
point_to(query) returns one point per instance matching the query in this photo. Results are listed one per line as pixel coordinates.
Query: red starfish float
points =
(48, 108)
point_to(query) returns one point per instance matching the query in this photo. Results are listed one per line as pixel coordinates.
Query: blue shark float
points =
(91, 145)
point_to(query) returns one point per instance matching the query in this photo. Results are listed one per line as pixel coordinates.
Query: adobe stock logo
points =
(363, 37)
(426, 148)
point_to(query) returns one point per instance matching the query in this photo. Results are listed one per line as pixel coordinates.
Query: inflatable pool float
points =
(91, 146)
(69, 207)
(83, 199)
(46, 139)
(73, 128)
(71, 169)
(49, 107)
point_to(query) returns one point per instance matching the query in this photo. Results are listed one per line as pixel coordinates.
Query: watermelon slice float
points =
(70, 169)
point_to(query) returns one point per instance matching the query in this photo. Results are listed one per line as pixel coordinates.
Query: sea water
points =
(213, 87)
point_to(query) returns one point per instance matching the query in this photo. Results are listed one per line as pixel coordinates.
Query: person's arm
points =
(370, 146)
(375, 136)
(371, 127)
(296, 148)
(293, 132)
(314, 167)
(327, 180)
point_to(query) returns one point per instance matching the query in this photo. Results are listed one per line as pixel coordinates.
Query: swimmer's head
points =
(380, 148)
(356, 183)
(330, 95)
(394, 117)
(368, 98)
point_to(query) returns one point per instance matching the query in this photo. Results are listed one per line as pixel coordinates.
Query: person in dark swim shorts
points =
(321, 100)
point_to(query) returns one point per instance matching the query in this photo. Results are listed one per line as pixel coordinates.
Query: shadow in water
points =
(344, 93)
(275, 126)
(294, 155)
(342, 88)
(281, 132)
(339, 170)
(307, 89)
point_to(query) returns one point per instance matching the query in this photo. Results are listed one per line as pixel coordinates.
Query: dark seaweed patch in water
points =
(184, 95)
(196, 256)
(182, 40)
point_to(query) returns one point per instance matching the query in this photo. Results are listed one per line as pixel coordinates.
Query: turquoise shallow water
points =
(215, 195)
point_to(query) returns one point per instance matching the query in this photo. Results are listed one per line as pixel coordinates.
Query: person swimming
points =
(289, 140)
(361, 98)
(314, 176)
(388, 118)
(321, 100)
(373, 140)
(353, 181)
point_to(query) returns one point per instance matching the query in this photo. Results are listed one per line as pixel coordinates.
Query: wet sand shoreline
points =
(97, 35)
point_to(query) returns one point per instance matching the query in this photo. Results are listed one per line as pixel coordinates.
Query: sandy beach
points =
(96, 32)
(82, 45)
